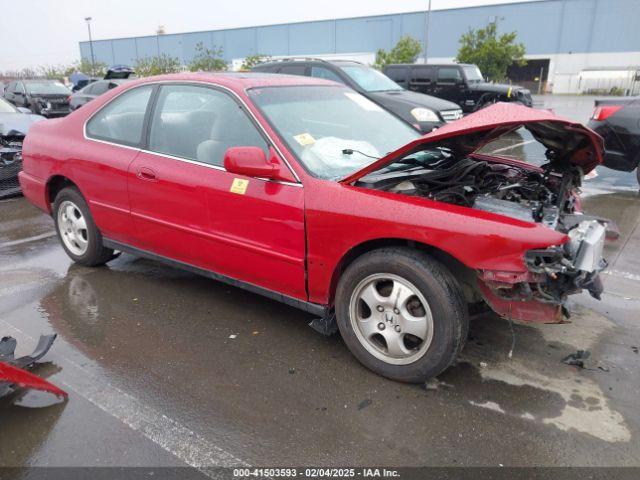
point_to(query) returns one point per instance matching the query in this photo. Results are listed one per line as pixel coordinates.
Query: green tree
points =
(85, 66)
(207, 59)
(406, 51)
(253, 60)
(491, 53)
(157, 65)
(53, 72)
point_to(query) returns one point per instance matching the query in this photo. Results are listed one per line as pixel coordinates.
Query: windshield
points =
(333, 131)
(473, 73)
(47, 88)
(6, 107)
(370, 79)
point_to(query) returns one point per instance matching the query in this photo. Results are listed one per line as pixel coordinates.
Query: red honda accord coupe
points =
(304, 191)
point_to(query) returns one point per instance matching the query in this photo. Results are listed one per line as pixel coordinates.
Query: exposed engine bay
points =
(528, 194)
(546, 195)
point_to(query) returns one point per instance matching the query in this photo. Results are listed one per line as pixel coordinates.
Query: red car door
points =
(186, 207)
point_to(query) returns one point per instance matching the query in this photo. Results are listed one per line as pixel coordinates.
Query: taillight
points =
(604, 112)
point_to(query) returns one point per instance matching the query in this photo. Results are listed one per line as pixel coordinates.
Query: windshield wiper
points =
(351, 151)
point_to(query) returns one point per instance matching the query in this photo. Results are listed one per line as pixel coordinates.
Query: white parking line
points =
(627, 275)
(168, 434)
(28, 239)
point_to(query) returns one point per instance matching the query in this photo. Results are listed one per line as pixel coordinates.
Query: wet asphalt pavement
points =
(165, 368)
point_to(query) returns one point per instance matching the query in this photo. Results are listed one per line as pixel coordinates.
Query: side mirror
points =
(23, 110)
(251, 162)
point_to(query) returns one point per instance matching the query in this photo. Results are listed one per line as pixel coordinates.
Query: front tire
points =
(77, 231)
(401, 313)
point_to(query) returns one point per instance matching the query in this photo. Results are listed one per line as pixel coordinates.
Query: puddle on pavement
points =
(533, 385)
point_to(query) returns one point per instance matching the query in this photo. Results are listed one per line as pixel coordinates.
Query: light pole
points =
(426, 34)
(93, 59)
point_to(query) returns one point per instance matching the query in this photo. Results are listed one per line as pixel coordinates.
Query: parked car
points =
(423, 112)
(617, 120)
(92, 91)
(48, 98)
(309, 193)
(460, 83)
(14, 125)
(83, 82)
(119, 72)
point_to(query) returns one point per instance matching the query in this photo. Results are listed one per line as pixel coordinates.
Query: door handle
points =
(145, 173)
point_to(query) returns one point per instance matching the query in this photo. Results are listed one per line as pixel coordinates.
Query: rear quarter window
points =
(122, 120)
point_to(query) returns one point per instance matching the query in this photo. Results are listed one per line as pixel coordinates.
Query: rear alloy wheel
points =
(401, 313)
(76, 230)
(72, 227)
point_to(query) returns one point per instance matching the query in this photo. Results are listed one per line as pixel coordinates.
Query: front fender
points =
(340, 217)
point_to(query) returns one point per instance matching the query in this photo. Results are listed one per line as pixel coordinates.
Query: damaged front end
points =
(553, 273)
(10, 164)
(464, 164)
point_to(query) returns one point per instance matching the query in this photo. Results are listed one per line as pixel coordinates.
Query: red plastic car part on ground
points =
(23, 379)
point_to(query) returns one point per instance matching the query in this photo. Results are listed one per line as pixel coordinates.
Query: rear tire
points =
(77, 231)
(401, 313)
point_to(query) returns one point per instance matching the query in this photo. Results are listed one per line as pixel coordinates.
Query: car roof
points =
(237, 80)
(429, 65)
(38, 80)
(284, 61)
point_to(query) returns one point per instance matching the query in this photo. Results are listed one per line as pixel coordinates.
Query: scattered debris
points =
(483, 364)
(577, 358)
(634, 349)
(582, 360)
(325, 325)
(364, 403)
(255, 332)
(292, 371)
(434, 384)
(232, 336)
(13, 373)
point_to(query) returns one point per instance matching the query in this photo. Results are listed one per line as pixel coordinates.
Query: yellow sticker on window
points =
(304, 139)
(239, 186)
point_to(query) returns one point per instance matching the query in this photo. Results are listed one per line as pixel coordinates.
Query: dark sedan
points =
(423, 112)
(617, 120)
(92, 91)
(48, 98)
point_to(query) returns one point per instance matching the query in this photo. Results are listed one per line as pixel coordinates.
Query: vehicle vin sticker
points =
(304, 139)
(239, 186)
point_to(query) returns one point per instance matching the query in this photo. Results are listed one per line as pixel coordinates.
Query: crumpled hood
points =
(409, 100)
(17, 123)
(572, 142)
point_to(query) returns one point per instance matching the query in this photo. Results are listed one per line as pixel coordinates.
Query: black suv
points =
(461, 83)
(422, 112)
(48, 98)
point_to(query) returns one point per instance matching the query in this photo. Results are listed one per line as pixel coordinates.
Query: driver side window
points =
(199, 123)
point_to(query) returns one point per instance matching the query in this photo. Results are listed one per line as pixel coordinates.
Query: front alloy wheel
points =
(401, 313)
(391, 318)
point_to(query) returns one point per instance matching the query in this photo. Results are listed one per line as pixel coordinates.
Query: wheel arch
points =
(54, 184)
(465, 275)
